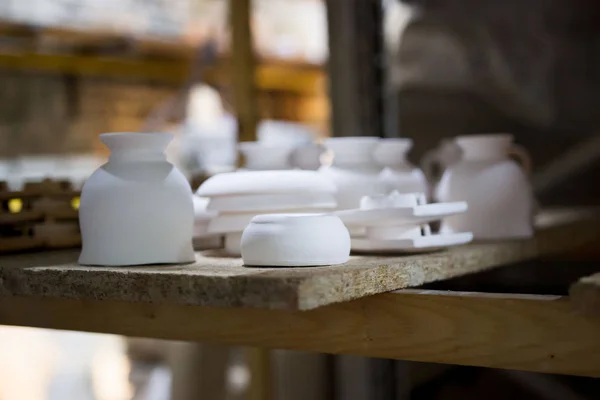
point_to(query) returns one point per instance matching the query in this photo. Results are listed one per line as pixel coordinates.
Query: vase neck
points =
(137, 146)
(129, 155)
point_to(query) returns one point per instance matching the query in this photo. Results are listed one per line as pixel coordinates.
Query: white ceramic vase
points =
(353, 171)
(399, 174)
(137, 208)
(497, 189)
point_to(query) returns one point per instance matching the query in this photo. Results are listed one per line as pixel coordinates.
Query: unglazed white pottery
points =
(265, 182)
(271, 202)
(277, 132)
(393, 200)
(398, 209)
(397, 232)
(398, 174)
(232, 243)
(264, 157)
(137, 208)
(308, 156)
(295, 240)
(202, 217)
(497, 189)
(353, 170)
(237, 222)
(411, 245)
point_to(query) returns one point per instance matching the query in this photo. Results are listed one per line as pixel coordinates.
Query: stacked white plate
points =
(239, 196)
(400, 223)
(202, 239)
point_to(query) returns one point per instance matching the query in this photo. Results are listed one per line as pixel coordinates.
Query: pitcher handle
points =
(435, 157)
(522, 156)
(427, 163)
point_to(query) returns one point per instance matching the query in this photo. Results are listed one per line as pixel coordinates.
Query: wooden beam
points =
(269, 76)
(243, 69)
(585, 295)
(524, 332)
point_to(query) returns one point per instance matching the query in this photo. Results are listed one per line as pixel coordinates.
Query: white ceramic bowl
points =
(295, 240)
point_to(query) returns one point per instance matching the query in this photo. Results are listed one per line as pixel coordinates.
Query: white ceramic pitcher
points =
(496, 188)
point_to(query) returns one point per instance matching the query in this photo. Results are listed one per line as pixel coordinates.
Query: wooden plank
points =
(269, 76)
(243, 69)
(218, 281)
(585, 295)
(524, 332)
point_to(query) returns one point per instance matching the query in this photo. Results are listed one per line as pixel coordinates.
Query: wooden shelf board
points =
(224, 282)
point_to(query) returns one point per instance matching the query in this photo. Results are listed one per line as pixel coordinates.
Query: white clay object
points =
(265, 182)
(237, 222)
(398, 173)
(266, 157)
(137, 208)
(232, 243)
(353, 171)
(498, 190)
(271, 202)
(295, 240)
(399, 209)
(411, 245)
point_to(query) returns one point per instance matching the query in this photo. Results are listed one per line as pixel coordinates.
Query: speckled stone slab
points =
(217, 281)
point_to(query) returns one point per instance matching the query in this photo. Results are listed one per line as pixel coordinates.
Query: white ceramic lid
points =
(271, 202)
(294, 240)
(395, 216)
(265, 182)
(237, 222)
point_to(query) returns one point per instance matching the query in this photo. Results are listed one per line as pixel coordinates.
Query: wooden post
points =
(243, 70)
(356, 67)
(259, 364)
(245, 103)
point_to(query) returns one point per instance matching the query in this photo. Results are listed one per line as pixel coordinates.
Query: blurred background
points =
(215, 72)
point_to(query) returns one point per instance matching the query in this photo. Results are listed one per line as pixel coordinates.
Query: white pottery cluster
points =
(73, 168)
(240, 196)
(139, 209)
(478, 169)
(367, 166)
(400, 223)
(281, 146)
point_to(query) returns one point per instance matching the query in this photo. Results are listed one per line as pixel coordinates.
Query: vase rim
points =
(135, 134)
